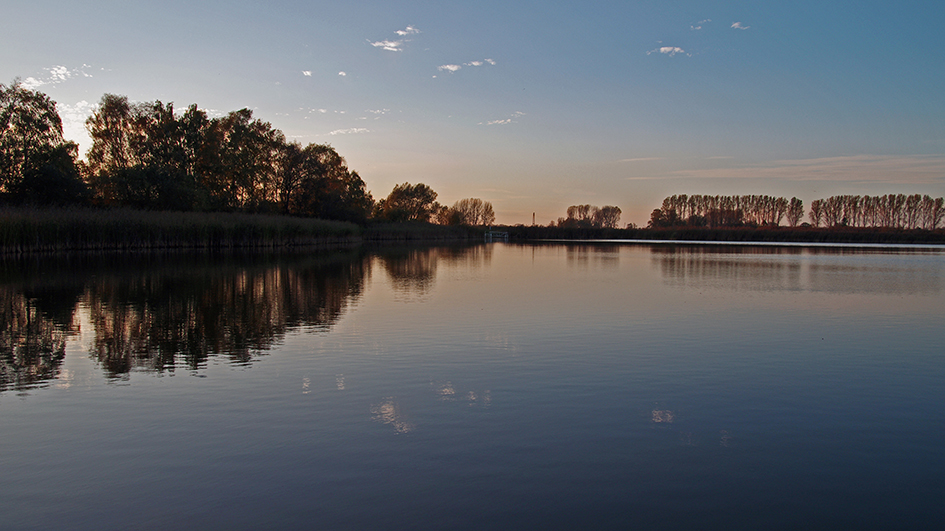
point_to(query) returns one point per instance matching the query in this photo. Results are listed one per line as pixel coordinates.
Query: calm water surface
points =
(553, 386)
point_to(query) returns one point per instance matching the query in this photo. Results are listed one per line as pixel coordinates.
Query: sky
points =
(532, 106)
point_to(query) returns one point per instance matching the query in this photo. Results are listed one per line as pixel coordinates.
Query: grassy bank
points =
(84, 229)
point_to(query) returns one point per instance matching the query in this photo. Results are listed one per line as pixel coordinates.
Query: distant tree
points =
(590, 216)
(407, 202)
(816, 215)
(37, 164)
(660, 218)
(795, 212)
(607, 217)
(472, 211)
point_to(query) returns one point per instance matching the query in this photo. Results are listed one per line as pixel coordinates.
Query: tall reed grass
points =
(24, 229)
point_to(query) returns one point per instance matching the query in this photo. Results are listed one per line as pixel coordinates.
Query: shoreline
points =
(54, 230)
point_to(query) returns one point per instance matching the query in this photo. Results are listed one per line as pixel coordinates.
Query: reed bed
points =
(25, 230)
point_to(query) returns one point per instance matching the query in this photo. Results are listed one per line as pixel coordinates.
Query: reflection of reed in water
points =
(32, 346)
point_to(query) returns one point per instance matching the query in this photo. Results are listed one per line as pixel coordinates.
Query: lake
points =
(609, 385)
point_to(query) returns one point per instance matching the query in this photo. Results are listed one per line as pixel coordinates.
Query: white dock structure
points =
(496, 236)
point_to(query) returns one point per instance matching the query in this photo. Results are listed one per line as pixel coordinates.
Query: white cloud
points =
(738, 25)
(668, 50)
(56, 75)
(307, 73)
(698, 25)
(505, 121)
(351, 131)
(342, 73)
(453, 68)
(391, 46)
(480, 63)
(395, 45)
(409, 30)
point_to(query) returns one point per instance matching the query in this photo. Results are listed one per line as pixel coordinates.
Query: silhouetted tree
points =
(408, 202)
(37, 165)
(795, 212)
(472, 211)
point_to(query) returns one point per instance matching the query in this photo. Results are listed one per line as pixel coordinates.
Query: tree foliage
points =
(472, 211)
(408, 202)
(589, 216)
(36, 163)
(146, 155)
(890, 211)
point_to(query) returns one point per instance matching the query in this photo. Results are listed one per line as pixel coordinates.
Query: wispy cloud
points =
(505, 121)
(698, 25)
(307, 73)
(893, 169)
(342, 73)
(454, 67)
(395, 45)
(739, 25)
(641, 159)
(390, 46)
(351, 131)
(55, 75)
(669, 50)
(409, 30)
(480, 63)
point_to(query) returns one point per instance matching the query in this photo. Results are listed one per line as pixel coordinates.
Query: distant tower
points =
(533, 219)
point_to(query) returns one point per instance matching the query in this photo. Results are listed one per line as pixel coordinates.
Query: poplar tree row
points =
(727, 210)
(891, 210)
(886, 211)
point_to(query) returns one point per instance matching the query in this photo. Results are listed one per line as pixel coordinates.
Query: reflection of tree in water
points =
(412, 271)
(32, 346)
(584, 255)
(826, 269)
(729, 267)
(160, 318)
(158, 312)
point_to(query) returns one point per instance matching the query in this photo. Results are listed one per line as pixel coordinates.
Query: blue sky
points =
(533, 106)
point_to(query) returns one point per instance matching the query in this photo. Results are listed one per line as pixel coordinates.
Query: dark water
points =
(554, 386)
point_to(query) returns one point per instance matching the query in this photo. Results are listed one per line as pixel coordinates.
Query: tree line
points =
(887, 211)
(590, 216)
(150, 156)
